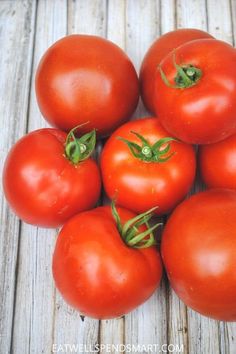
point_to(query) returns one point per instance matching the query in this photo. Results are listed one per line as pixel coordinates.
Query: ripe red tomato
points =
(97, 272)
(195, 91)
(198, 250)
(84, 78)
(42, 186)
(157, 52)
(217, 163)
(148, 176)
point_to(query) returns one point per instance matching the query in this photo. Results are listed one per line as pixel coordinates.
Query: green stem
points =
(79, 149)
(186, 76)
(130, 230)
(158, 152)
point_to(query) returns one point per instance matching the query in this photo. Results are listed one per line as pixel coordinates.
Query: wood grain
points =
(35, 293)
(16, 38)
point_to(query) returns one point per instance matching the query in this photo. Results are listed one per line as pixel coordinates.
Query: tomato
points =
(156, 53)
(198, 250)
(98, 271)
(145, 175)
(42, 185)
(217, 163)
(195, 90)
(83, 78)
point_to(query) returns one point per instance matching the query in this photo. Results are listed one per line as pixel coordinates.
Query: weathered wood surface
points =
(33, 316)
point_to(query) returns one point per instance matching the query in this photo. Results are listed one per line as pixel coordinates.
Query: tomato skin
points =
(96, 272)
(160, 48)
(86, 79)
(138, 185)
(217, 163)
(42, 186)
(198, 249)
(204, 113)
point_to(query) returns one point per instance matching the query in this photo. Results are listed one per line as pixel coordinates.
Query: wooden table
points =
(33, 315)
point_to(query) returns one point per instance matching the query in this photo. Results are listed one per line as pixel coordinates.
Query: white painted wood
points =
(199, 330)
(35, 293)
(83, 17)
(167, 16)
(203, 333)
(176, 310)
(87, 17)
(16, 35)
(116, 22)
(177, 321)
(219, 20)
(224, 30)
(147, 324)
(191, 14)
(233, 18)
(112, 331)
(142, 28)
(227, 337)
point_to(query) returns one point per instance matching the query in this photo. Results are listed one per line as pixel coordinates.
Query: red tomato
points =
(141, 182)
(198, 250)
(97, 272)
(217, 163)
(42, 186)
(157, 52)
(85, 78)
(195, 92)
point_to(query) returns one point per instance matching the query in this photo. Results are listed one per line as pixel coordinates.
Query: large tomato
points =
(96, 268)
(195, 89)
(198, 250)
(217, 163)
(141, 172)
(42, 185)
(84, 78)
(157, 52)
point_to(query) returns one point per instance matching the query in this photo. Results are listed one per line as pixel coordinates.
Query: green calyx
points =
(187, 75)
(79, 149)
(130, 230)
(158, 152)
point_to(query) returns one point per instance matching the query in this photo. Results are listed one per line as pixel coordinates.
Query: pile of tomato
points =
(106, 260)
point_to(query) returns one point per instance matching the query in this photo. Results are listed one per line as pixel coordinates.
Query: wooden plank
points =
(87, 17)
(220, 20)
(202, 330)
(112, 331)
(116, 22)
(227, 337)
(176, 311)
(196, 331)
(233, 20)
(16, 37)
(90, 18)
(177, 321)
(142, 28)
(191, 14)
(167, 16)
(223, 26)
(35, 293)
(147, 324)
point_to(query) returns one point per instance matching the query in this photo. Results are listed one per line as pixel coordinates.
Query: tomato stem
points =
(130, 230)
(79, 149)
(187, 75)
(157, 152)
